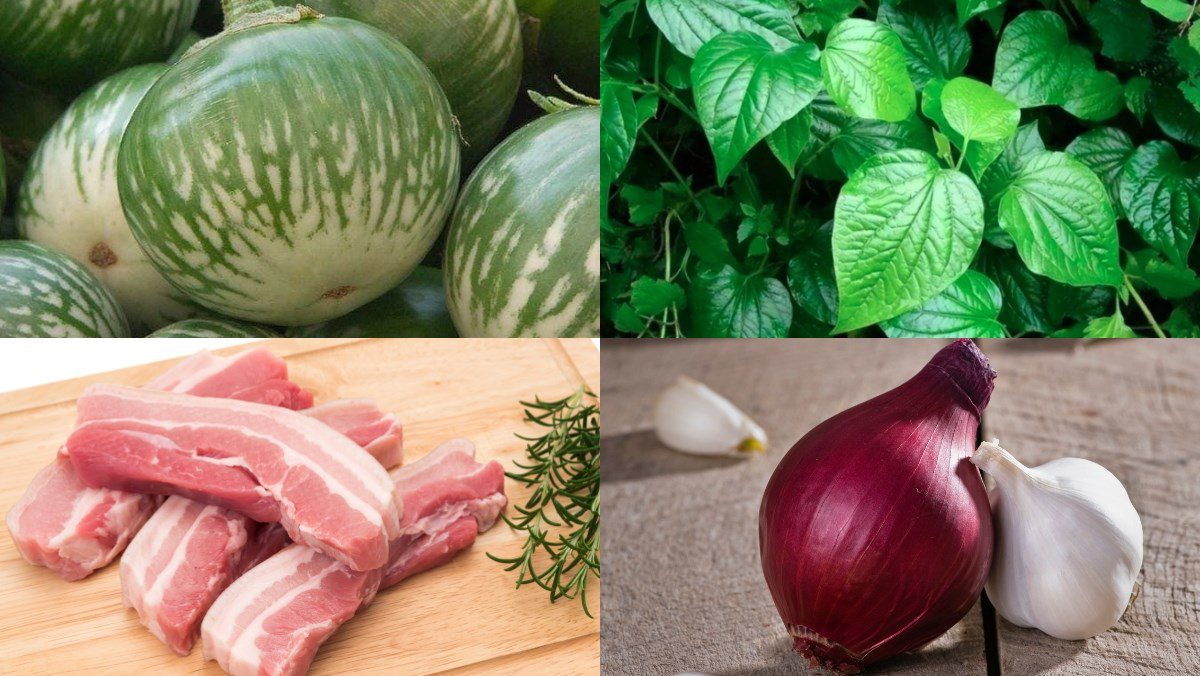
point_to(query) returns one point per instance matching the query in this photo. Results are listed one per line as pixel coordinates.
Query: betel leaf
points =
(818, 16)
(968, 307)
(1104, 150)
(1025, 307)
(810, 278)
(790, 139)
(688, 24)
(1175, 10)
(977, 155)
(707, 243)
(1160, 199)
(904, 229)
(936, 46)
(1094, 95)
(728, 304)
(1059, 215)
(1125, 29)
(977, 112)
(970, 8)
(618, 127)
(989, 119)
(1108, 327)
(846, 142)
(1026, 143)
(1147, 268)
(652, 296)
(1031, 60)
(865, 71)
(1181, 324)
(1137, 96)
(745, 90)
(1036, 65)
(1174, 115)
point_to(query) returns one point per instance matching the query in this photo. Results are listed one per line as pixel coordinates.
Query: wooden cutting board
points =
(464, 617)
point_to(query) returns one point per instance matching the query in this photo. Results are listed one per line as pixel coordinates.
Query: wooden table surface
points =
(464, 617)
(683, 583)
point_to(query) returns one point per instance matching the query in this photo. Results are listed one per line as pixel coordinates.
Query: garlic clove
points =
(691, 418)
(1068, 544)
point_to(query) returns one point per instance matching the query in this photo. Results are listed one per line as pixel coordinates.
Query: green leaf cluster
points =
(980, 168)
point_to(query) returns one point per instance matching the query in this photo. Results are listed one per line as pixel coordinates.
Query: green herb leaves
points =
(968, 307)
(904, 229)
(1159, 194)
(688, 24)
(745, 90)
(866, 73)
(729, 304)
(823, 167)
(1060, 218)
(1036, 65)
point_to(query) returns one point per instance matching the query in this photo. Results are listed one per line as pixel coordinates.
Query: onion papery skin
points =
(875, 531)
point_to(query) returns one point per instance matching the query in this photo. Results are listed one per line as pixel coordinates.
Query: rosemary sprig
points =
(564, 471)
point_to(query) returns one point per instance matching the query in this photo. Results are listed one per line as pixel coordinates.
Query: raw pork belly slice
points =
(258, 627)
(254, 375)
(378, 433)
(270, 464)
(73, 529)
(189, 552)
(446, 498)
(273, 619)
(64, 525)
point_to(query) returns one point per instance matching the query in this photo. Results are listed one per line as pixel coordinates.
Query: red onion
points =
(875, 530)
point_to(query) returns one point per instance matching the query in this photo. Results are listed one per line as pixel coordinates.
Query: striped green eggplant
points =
(415, 309)
(523, 252)
(288, 172)
(211, 327)
(69, 200)
(45, 294)
(473, 48)
(67, 45)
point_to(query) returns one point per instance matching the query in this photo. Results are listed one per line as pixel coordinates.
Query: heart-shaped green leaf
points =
(1159, 196)
(904, 229)
(688, 24)
(968, 308)
(745, 90)
(727, 304)
(865, 71)
(1060, 218)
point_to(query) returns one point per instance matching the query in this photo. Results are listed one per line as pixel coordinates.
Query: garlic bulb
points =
(690, 417)
(1068, 544)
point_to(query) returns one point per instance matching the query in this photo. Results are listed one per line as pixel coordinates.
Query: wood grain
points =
(464, 616)
(683, 582)
(1133, 407)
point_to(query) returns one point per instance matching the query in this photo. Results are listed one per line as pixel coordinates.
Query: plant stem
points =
(236, 9)
(670, 165)
(1145, 310)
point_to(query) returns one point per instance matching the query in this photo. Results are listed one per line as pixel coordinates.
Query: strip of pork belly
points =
(273, 619)
(268, 463)
(74, 529)
(189, 552)
(257, 627)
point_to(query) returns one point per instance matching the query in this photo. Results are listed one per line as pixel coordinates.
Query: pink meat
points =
(271, 621)
(270, 464)
(189, 552)
(439, 493)
(361, 420)
(74, 529)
